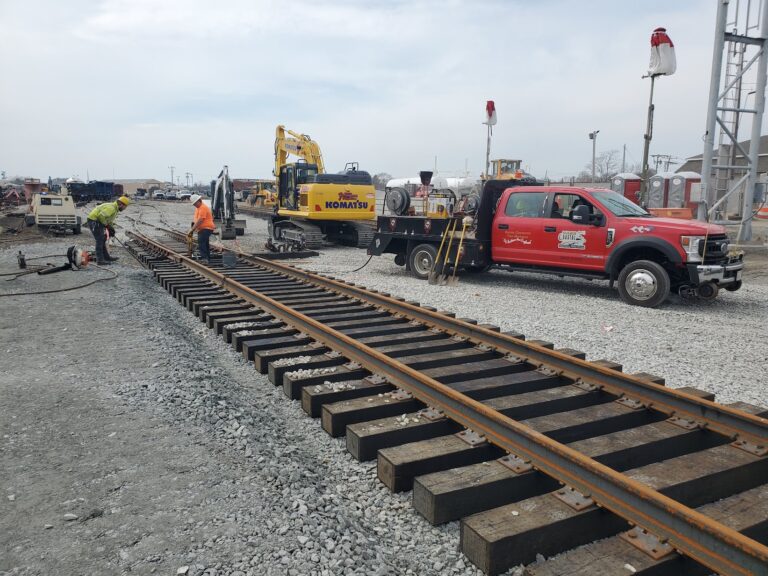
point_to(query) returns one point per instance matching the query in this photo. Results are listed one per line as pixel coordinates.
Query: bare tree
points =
(380, 180)
(606, 166)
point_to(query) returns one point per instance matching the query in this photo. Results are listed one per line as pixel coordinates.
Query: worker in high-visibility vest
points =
(203, 224)
(100, 221)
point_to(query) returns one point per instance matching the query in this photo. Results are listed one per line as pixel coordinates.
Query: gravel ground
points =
(122, 409)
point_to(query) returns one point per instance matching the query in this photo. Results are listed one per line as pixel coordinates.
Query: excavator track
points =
(365, 232)
(296, 235)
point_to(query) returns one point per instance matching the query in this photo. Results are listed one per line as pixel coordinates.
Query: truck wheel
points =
(734, 286)
(644, 283)
(422, 260)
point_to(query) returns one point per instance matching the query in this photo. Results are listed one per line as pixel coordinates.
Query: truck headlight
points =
(690, 246)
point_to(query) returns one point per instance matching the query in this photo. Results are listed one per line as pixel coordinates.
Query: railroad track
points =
(533, 450)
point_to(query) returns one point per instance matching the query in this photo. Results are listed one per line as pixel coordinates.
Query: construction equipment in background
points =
(506, 169)
(55, 212)
(314, 206)
(263, 194)
(223, 207)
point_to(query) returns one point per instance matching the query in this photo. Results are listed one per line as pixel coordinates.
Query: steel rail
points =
(714, 545)
(730, 422)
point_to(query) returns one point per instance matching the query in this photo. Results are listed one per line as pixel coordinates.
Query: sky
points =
(127, 88)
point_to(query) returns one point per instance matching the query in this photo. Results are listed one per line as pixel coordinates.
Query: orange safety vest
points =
(204, 213)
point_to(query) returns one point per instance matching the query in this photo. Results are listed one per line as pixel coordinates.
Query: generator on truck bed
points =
(523, 226)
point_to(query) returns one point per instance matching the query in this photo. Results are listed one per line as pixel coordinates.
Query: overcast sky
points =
(127, 88)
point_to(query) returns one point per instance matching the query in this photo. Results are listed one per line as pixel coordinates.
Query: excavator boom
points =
(299, 145)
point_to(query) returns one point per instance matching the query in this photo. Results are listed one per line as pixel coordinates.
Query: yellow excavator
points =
(313, 206)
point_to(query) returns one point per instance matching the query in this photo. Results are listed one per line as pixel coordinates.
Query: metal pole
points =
(594, 146)
(708, 191)
(745, 231)
(647, 146)
(171, 168)
(488, 153)
(624, 159)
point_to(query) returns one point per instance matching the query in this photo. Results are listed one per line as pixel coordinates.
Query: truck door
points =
(518, 229)
(569, 243)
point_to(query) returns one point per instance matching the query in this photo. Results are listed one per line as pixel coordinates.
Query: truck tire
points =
(421, 260)
(644, 283)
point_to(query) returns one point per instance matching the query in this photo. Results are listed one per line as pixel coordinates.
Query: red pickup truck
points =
(592, 233)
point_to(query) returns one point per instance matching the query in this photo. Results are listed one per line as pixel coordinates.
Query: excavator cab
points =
(290, 179)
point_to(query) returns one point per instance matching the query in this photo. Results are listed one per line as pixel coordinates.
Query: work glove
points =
(111, 231)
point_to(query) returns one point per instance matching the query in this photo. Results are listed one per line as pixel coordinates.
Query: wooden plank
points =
(276, 369)
(262, 358)
(337, 416)
(240, 338)
(314, 397)
(250, 347)
(505, 384)
(455, 359)
(348, 326)
(255, 323)
(365, 439)
(443, 497)
(475, 370)
(546, 401)
(237, 331)
(200, 307)
(294, 382)
(513, 534)
(394, 327)
(212, 316)
(746, 512)
(592, 421)
(403, 349)
(399, 465)
(405, 338)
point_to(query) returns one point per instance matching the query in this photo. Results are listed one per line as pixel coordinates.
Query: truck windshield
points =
(618, 205)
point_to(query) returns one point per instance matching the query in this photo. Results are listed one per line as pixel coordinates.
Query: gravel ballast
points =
(122, 409)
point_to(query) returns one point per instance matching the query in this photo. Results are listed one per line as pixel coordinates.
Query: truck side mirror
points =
(597, 219)
(581, 214)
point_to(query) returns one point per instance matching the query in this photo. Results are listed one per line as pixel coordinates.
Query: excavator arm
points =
(289, 142)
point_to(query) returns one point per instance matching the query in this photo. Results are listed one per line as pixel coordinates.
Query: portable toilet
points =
(658, 190)
(684, 190)
(628, 185)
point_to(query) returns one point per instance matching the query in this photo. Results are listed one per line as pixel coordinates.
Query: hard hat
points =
(194, 198)
(124, 200)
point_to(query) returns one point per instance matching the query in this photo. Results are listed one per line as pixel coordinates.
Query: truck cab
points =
(599, 232)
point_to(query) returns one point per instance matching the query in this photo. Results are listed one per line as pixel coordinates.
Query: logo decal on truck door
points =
(522, 237)
(572, 239)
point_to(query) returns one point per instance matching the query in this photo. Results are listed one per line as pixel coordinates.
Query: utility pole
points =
(624, 159)
(593, 137)
(172, 168)
(188, 176)
(648, 136)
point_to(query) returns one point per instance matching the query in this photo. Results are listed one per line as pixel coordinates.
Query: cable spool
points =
(398, 201)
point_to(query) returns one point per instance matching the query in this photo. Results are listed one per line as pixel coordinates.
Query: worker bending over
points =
(100, 220)
(204, 225)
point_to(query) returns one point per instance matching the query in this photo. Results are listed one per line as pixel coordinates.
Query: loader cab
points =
(290, 179)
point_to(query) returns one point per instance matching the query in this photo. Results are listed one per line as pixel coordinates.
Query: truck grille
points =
(53, 220)
(715, 248)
